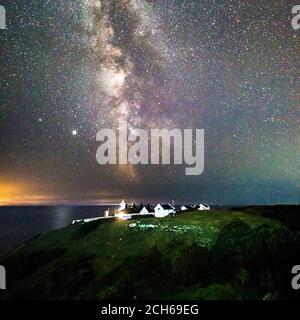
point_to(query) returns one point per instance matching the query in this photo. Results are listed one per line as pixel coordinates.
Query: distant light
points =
(74, 132)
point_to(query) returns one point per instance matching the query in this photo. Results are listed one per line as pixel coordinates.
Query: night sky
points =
(72, 67)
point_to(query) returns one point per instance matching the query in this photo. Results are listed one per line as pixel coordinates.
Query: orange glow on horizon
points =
(18, 193)
(31, 193)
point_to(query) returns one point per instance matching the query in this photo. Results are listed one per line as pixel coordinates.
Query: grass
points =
(140, 258)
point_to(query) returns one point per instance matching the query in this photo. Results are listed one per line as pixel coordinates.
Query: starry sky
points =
(72, 67)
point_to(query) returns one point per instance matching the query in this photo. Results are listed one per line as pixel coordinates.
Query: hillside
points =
(289, 215)
(220, 254)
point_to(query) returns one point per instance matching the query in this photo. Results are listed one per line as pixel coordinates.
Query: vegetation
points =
(218, 254)
(288, 215)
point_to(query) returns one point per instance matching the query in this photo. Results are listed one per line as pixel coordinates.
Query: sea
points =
(22, 223)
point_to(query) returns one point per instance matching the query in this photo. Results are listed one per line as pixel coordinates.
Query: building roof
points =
(129, 211)
(167, 207)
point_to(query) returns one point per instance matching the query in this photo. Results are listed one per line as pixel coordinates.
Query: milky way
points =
(70, 68)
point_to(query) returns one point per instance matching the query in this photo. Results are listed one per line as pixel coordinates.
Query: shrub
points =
(191, 264)
(228, 249)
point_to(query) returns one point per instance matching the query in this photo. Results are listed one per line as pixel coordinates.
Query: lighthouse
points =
(122, 206)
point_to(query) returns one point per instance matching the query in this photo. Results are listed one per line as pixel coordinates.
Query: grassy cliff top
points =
(139, 258)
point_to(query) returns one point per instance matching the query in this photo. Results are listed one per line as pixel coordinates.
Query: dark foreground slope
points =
(198, 255)
(289, 215)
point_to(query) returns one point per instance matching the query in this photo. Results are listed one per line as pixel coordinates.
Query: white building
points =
(106, 213)
(186, 208)
(122, 206)
(163, 210)
(146, 211)
(203, 206)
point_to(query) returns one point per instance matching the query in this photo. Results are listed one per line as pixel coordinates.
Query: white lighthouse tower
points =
(122, 205)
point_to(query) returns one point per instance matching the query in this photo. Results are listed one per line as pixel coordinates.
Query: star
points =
(75, 67)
